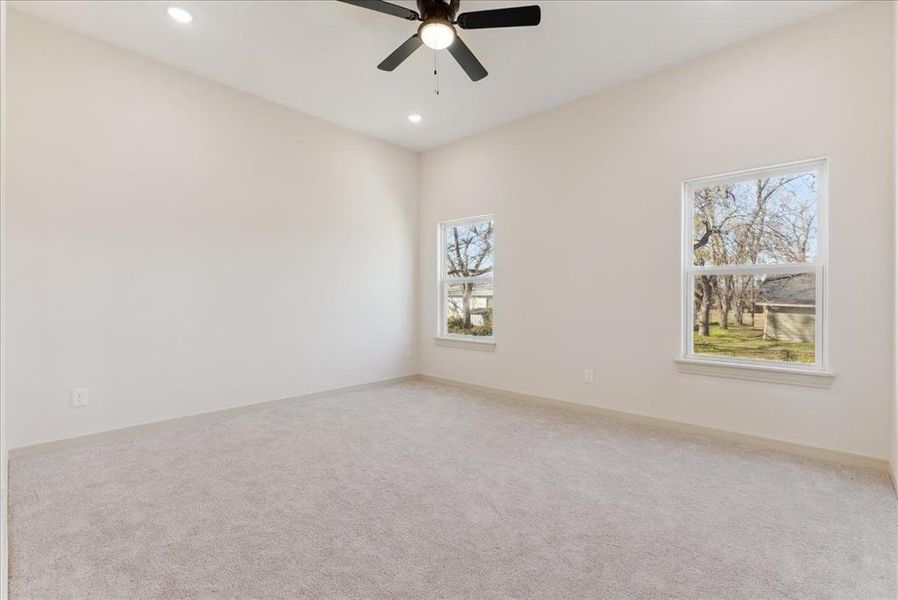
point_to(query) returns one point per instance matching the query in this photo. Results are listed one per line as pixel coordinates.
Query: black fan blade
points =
(463, 55)
(386, 8)
(401, 53)
(520, 16)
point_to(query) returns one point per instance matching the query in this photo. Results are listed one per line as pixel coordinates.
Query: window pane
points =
(469, 309)
(469, 249)
(756, 221)
(761, 317)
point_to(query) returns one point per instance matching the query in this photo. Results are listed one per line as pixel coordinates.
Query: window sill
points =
(765, 373)
(488, 345)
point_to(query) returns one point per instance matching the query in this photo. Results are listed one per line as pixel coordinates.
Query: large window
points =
(466, 278)
(754, 254)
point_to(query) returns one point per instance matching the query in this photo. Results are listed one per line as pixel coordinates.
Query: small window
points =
(467, 266)
(754, 254)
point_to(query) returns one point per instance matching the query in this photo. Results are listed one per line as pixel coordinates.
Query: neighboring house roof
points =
(794, 290)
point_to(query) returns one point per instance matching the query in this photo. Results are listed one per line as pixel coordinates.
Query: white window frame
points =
(754, 368)
(444, 280)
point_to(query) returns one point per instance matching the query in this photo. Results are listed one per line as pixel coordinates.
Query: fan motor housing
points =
(438, 10)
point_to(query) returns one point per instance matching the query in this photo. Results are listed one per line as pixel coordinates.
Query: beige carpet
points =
(416, 490)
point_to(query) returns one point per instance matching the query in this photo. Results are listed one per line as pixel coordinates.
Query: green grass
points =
(478, 330)
(748, 342)
(456, 325)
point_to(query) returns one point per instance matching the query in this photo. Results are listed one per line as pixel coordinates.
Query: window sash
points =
(443, 330)
(817, 165)
(444, 229)
(791, 269)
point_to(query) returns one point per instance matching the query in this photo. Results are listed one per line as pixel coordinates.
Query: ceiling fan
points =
(437, 30)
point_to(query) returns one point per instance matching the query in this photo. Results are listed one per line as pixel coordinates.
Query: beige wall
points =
(4, 540)
(176, 246)
(587, 199)
(894, 420)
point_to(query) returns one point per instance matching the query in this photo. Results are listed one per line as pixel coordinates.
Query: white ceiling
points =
(320, 57)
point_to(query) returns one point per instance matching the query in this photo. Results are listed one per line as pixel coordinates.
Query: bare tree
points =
(712, 218)
(771, 219)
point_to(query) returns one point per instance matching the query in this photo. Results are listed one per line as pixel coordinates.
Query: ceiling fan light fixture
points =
(437, 30)
(437, 34)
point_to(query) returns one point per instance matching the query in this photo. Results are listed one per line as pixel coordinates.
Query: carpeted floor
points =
(416, 490)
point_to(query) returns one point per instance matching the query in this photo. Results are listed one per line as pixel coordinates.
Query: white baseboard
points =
(123, 432)
(836, 456)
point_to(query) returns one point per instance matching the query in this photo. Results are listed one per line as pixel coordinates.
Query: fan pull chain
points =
(436, 75)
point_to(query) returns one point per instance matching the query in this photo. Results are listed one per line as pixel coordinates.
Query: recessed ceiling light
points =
(180, 15)
(415, 118)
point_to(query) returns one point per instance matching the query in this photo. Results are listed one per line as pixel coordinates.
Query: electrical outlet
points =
(408, 353)
(589, 376)
(79, 397)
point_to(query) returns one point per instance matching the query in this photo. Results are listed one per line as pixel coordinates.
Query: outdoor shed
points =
(789, 307)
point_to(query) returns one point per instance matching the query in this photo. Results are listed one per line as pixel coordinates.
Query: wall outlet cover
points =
(79, 397)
